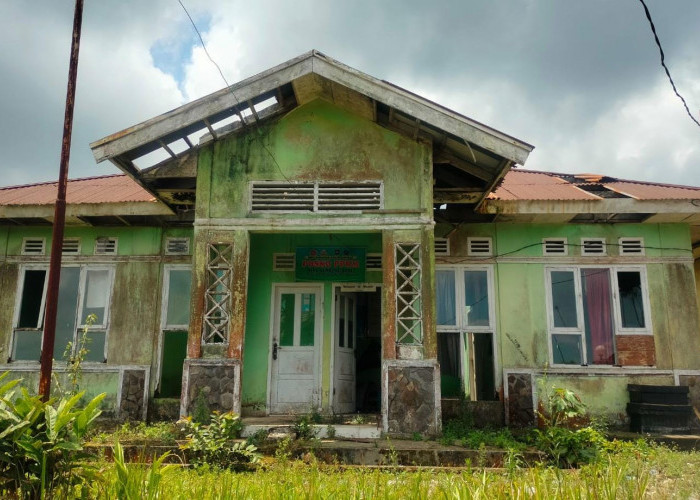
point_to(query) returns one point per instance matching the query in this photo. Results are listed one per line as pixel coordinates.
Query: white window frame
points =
(618, 330)
(84, 268)
(461, 327)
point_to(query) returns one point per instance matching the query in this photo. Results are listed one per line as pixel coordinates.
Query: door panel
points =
(344, 352)
(295, 356)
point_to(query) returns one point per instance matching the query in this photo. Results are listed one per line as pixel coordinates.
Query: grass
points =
(166, 433)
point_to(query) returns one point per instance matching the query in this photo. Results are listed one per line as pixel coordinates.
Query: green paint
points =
(340, 264)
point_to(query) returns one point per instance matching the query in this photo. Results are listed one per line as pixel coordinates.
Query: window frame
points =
(104, 326)
(618, 329)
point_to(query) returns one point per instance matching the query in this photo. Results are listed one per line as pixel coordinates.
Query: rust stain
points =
(238, 302)
(389, 291)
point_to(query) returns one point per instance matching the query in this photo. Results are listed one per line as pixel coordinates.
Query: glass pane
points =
(96, 296)
(341, 321)
(308, 319)
(631, 304)
(476, 298)
(67, 304)
(595, 285)
(178, 312)
(32, 293)
(287, 319)
(95, 347)
(445, 297)
(564, 299)
(450, 365)
(27, 345)
(351, 324)
(567, 349)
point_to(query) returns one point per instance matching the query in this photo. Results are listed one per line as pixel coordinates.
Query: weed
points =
(359, 420)
(330, 431)
(417, 436)
(258, 438)
(304, 427)
(201, 413)
(284, 450)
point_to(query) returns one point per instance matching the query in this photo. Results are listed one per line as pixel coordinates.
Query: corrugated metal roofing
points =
(529, 185)
(104, 189)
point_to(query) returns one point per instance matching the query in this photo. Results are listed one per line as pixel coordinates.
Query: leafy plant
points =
(564, 407)
(41, 441)
(213, 443)
(201, 412)
(303, 427)
(570, 448)
(330, 431)
(138, 481)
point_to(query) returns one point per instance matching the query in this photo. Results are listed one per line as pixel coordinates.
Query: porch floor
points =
(352, 426)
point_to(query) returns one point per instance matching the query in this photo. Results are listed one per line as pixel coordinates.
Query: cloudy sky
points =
(579, 80)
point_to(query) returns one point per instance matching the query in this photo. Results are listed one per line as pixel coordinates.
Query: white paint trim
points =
(284, 223)
(572, 260)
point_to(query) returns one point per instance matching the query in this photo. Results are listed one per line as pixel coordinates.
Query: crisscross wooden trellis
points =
(218, 294)
(409, 317)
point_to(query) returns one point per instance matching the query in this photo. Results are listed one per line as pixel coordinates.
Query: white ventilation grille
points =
(373, 261)
(106, 246)
(71, 246)
(554, 246)
(283, 262)
(33, 246)
(316, 196)
(631, 246)
(479, 247)
(177, 246)
(593, 246)
(442, 246)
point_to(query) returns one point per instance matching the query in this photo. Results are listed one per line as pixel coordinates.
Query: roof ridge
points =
(46, 183)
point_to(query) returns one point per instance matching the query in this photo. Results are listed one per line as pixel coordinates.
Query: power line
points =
(663, 63)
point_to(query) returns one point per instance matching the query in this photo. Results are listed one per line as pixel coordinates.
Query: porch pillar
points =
(410, 372)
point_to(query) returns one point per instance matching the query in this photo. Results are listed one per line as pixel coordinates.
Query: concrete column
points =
(199, 285)
(388, 296)
(239, 294)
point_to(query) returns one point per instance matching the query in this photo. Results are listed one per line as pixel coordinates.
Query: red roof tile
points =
(104, 189)
(529, 185)
(649, 191)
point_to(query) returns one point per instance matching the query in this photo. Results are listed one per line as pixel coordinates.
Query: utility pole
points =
(59, 218)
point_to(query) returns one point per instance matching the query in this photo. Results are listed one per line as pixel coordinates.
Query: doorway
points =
(357, 350)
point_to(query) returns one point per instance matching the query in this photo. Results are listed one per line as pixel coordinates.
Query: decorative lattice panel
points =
(217, 313)
(409, 317)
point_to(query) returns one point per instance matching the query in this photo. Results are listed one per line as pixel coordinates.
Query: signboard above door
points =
(339, 264)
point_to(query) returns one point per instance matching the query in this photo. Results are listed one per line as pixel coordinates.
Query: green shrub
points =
(41, 441)
(137, 480)
(213, 443)
(570, 448)
(303, 427)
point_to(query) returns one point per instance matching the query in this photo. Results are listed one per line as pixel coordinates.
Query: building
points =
(315, 238)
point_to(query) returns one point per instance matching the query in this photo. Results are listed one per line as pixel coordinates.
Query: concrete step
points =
(321, 431)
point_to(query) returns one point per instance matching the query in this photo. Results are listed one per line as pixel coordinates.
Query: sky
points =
(581, 81)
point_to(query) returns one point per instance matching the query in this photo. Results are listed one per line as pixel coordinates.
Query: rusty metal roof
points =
(103, 189)
(528, 185)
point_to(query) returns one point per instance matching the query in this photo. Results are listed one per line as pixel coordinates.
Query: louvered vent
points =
(593, 246)
(106, 246)
(33, 246)
(631, 246)
(554, 246)
(442, 246)
(373, 261)
(177, 246)
(71, 246)
(479, 247)
(283, 262)
(315, 196)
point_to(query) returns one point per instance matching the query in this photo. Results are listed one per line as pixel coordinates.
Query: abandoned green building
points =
(315, 238)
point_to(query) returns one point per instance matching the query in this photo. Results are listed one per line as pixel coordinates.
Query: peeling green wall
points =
(316, 141)
(256, 351)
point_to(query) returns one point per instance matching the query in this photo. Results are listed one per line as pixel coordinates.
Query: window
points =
(589, 306)
(593, 246)
(442, 246)
(83, 304)
(409, 308)
(177, 246)
(465, 325)
(274, 196)
(554, 246)
(106, 246)
(479, 247)
(175, 319)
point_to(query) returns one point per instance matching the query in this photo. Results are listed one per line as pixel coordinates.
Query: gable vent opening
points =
(593, 246)
(71, 246)
(631, 246)
(316, 196)
(480, 247)
(33, 246)
(106, 246)
(177, 246)
(442, 246)
(554, 246)
(373, 261)
(283, 262)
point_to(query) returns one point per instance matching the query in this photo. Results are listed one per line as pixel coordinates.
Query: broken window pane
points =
(631, 304)
(96, 296)
(566, 349)
(564, 299)
(178, 312)
(32, 295)
(450, 364)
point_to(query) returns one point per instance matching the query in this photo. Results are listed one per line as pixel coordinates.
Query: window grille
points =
(106, 246)
(177, 246)
(442, 246)
(71, 246)
(33, 246)
(479, 247)
(373, 261)
(218, 293)
(283, 262)
(593, 246)
(409, 317)
(554, 246)
(631, 246)
(315, 196)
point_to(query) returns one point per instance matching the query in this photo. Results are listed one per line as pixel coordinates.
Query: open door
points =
(295, 349)
(345, 341)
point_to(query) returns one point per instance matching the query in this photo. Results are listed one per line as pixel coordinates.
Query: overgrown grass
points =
(166, 433)
(662, 474)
